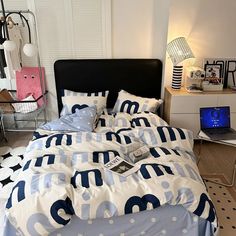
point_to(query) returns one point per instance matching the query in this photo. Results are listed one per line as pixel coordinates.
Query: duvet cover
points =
(64, 175)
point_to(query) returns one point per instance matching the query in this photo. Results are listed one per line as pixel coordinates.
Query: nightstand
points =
(181, 108)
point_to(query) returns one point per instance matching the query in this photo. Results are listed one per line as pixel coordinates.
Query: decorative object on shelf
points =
(193, 78)
(194, 88)
(29, 48)
(194, 72)
(178, 50)
(213, 80)
(228, 69)
(213, 70)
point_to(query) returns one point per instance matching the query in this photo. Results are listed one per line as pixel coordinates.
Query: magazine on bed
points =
(121, 167)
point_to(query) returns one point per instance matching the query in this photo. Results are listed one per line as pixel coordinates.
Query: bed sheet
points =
(166, 220)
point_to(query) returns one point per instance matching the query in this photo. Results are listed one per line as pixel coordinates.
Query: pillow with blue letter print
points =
(73, 101)
(131, 104)
(81, 120)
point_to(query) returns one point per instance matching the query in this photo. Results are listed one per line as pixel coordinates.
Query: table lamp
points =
(178, 50)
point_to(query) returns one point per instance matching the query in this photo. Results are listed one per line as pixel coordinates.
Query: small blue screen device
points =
(215, 117)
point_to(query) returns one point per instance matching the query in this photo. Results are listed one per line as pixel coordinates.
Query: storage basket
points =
(8, 102)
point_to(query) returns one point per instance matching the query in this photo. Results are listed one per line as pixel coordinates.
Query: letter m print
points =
(134, 106)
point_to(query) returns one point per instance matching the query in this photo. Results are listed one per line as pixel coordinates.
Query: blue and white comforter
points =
(63, 175)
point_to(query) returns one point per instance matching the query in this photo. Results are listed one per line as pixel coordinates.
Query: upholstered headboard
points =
(141, 77)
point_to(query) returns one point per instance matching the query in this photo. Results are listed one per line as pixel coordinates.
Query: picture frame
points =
(228, 72)
(213, 70)
(213, 74)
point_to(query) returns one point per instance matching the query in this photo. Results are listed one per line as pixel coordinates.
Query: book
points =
(121, 167)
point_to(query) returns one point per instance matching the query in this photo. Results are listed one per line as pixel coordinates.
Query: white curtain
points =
(71, 29)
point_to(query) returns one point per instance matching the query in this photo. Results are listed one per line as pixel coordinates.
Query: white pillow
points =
(73, 101)
(131, 104)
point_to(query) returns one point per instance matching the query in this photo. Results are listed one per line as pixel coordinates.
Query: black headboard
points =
(141, 77)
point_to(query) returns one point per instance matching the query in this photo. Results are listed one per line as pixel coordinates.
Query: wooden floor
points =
(16, 139)
(216, 159)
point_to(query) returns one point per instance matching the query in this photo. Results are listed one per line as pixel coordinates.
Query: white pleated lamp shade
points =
(179, 50)
(9, 45)
(30, 49)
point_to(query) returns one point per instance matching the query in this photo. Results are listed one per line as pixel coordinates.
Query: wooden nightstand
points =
(181, 108)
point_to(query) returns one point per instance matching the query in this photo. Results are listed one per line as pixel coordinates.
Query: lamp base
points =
(177, 77)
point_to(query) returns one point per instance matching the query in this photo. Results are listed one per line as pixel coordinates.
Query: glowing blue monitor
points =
(215, 117)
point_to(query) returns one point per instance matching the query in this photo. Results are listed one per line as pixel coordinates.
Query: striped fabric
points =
(177, 77)
(73, 101)
(96, 94)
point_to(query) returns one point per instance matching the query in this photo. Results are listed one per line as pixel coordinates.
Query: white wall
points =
(139, 28)
(160, 28)
(131, 28)
(208, 27)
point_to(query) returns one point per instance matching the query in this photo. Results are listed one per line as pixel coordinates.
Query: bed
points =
(165, 197)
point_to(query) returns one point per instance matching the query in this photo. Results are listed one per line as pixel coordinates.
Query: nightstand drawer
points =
(191, 104)
(233, 120)
(226, 100)
(186, 121)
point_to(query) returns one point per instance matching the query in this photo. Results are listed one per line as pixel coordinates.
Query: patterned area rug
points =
(224, 199)
(10, 165)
